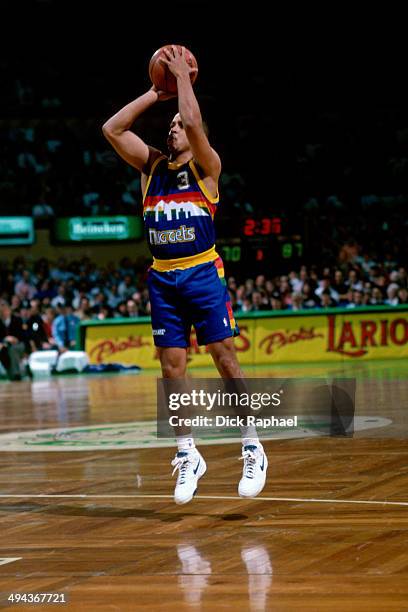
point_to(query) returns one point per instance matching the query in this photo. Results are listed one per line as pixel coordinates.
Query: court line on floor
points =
(205, 497)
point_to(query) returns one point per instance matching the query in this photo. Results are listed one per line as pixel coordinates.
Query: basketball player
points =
(186, 281)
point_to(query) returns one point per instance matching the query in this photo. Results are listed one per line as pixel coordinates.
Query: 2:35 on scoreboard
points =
(256, 242)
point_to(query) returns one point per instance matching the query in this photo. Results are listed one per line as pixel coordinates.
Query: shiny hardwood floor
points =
(329, 532)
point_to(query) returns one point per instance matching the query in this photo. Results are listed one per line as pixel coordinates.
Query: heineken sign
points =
(97, 229)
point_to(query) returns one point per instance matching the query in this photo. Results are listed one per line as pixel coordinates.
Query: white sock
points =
(249, 435)
(185, 443)
(251, 442)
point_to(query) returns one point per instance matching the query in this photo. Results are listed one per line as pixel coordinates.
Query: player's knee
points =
(172, 370)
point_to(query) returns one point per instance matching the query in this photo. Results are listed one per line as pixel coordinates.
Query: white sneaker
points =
(191, 467)
(254, 471)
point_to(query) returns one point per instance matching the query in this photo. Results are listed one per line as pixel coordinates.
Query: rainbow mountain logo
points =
(174, 211)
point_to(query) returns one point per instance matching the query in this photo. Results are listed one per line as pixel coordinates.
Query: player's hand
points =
(176, 61)
(162, 95)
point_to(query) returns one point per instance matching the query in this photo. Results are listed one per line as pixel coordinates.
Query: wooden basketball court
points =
(84, 516)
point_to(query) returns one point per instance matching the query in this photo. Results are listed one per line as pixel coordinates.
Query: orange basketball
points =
(160, 74)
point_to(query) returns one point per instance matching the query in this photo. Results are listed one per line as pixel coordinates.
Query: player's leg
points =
(188, 460)
(171, 333)
(173, 361)
(225, 358)
(206, 293)
(255, 460)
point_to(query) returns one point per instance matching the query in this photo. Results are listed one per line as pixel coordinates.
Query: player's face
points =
(177, 140)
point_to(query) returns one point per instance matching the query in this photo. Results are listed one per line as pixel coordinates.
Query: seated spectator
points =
(260, 282)
(12, 346)
(381, 282)
(79, 294)
(104, 313)
(339, 286)
(48, 318)
(64, 328)
(249, 286)
(61, 298)
(313, 277)
(367, 295)
(297, 302)
(46, 290)
(259, 302)
(137, 298)
(285, 290)
(126, 287)
(99, 300)
(269, 288)
(25, 289)
(33, 328)
(392, 294)
(326, 300)
(276, 301)
(357, 299)
(296, 282)
(376, 297)
(60, 273)
(113, 297)
(35, 306)
(403, 296)
(309, 299)
(353, 282)
(132, 308)
(374, 273)
(84, 312)
(121, 310)
(15, 304)
(246, 305)
(403, 277)
(325, 286)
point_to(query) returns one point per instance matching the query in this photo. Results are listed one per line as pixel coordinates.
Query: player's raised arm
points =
(190, 114)
(129, 146)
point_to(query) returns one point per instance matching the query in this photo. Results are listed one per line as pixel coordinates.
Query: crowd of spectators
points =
(56, 167)
(41, 305)
(50, 169)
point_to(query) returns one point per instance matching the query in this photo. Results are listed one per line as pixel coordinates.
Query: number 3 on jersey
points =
(182, 180)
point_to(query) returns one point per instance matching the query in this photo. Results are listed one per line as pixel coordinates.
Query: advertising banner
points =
(332, 336)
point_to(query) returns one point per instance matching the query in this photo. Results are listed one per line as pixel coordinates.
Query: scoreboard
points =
(260, 242)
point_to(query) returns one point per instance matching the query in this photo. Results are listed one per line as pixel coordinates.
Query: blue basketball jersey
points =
(178, 213)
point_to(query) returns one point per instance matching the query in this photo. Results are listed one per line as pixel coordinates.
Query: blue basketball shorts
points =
(196, 296)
